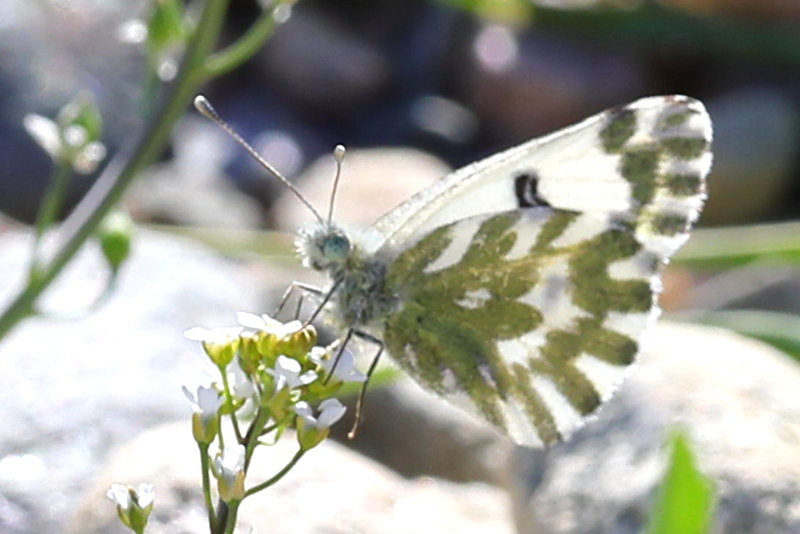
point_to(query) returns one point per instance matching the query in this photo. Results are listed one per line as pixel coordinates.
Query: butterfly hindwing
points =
(511, 331)
(525, 282)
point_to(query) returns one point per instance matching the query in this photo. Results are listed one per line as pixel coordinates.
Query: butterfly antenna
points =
(205, 108)
(338, 155)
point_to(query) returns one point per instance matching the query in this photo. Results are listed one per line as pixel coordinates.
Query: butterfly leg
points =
(372, 366)
(339, 353)
(322, 304)
(305, 288)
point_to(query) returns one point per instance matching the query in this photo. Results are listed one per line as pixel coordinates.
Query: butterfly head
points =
(324, 247)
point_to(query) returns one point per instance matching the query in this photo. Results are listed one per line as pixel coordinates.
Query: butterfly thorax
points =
(359, 296)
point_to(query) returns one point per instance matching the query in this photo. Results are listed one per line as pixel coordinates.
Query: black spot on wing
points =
(526, 190)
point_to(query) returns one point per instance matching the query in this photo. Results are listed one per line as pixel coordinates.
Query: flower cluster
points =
(73, 138)
(279, 368)
(278, 371)
(275, 377)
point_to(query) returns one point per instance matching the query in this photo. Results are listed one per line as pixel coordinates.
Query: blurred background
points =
(413, 88)
(457, 79)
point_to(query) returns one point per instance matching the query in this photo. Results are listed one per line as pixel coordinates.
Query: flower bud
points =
(309, 436)
(297, 344)
(228, 468)
(204, 429)
(249, 354)
(115, 238)
(205, 413)
(313, 428)
(133, 504)
(220, 344)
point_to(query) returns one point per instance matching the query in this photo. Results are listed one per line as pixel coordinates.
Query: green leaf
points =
(774, 244)
(165, 26)
(685, 500)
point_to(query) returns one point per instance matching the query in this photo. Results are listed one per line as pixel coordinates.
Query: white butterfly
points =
(520, 286)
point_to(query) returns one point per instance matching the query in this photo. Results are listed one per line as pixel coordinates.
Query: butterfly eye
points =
(336, 248)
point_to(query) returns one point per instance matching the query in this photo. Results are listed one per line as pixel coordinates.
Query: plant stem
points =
(51, 205)
(253, 433)
(230, 523)
(279, 475)
(243, 49)
(121, 171)
(229, 399)
(212, 519)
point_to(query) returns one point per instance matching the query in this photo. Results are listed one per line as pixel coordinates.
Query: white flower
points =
(218, 336)
(75, 136)
(71, 142)
(287, 374)
(45, 132)
(330, 411)
(230, 462)
(267, 324)
(345, 368)
(124, 496)
(120, 495)
(241, 386)
(220, 344)
(206, 403)
(133, 504)
(228, 468)
(89, 157)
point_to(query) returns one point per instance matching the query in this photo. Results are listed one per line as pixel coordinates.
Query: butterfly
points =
(520, 287)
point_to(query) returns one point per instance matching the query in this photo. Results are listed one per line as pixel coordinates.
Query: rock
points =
(191, 189)
(417, 433)
(737, 400)
(752, 174)
(373, 181)
(331, 489)
(71, 390)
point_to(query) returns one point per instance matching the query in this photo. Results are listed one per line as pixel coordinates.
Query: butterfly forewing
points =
(612, 162)
(525, 281)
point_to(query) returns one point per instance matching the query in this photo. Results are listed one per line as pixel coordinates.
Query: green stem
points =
(212, 518)
(229, 399)
(121, 171)
(243, 49)
(230, 523)
(51, 205)
(253, 433)
(279, 475)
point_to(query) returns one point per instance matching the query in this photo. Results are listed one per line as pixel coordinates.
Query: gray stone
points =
(192, 189)
(416, 433)
(737, 400)
(373, 181)
(331, 490)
